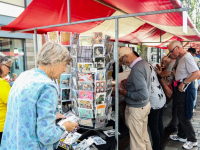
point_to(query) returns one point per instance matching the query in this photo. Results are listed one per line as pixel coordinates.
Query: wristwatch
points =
(184, 81)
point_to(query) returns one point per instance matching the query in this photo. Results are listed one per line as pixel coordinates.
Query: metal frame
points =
(115, 44)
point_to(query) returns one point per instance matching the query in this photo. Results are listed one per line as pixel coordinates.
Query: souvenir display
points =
(65, 38)
(90, 81)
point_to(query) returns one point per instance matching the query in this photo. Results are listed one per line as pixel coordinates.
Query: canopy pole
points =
(35, 46)
(116, 81)
(68, 11)
(108, 18)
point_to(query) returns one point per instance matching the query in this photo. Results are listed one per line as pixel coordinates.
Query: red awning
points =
(150, 28)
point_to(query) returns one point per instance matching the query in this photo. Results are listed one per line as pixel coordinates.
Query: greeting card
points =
(65, 38)
(100, 75)
(85, 40)
(84, 67)
(65, 80)
(86, 122)
(86, 95)
(53, 36)
(85, 86)
(96, 37)
(85, 77)
(87, 104)
(86, 113)
(100, 86)
(65, 94)
(100, 98)
(98, 50)
(99, 62)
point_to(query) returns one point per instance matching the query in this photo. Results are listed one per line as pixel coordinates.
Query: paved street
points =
(174, 145)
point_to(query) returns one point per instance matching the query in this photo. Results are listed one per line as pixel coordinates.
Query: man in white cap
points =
(137, 91)
(186, 72)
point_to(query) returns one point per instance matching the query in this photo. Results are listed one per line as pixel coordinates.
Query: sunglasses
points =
(7, 66)
(170, 52)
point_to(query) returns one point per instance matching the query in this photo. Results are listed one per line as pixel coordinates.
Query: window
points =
(13, 49)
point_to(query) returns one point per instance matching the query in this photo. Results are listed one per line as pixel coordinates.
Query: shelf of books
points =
(85, 87)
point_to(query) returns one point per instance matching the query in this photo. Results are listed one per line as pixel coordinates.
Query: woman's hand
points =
(60, 116)
(70, 126)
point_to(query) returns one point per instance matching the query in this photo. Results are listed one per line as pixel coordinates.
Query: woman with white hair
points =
(5, 64)
(30, 122)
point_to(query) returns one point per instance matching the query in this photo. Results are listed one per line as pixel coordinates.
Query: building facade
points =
(17, 46)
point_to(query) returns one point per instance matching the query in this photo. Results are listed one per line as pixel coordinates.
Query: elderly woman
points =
(5, 64)
(30, 122)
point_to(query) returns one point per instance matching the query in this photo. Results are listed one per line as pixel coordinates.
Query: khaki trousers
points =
(136, 120)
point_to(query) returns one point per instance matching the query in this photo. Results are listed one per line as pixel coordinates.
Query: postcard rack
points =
(91, 77)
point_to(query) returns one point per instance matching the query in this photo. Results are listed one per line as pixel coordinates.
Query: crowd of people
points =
(28, 109)
(147, 90)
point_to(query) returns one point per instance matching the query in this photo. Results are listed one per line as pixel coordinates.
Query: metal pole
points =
(68, 11)
(116, 81)
(157, 55)
(25, 60)
(108, 18)
(35, 47)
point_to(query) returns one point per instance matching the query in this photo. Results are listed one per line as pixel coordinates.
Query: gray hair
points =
(53, 52)
(4, 61)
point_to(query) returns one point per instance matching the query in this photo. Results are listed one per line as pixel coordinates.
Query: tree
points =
(194, 11)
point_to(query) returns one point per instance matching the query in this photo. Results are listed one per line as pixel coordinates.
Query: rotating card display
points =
(89, 83)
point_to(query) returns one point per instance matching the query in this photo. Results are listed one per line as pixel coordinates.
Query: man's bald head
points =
(175, 43)
(175, 49)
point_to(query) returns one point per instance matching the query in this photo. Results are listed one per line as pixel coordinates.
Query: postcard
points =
(85, 86)
(100, 111)
(96, 37)
(85, 40)
(65, 38)
(98, 50)
(69, 117)
(100, 122)
(53, 36)
(98, 140)
(107, 39)
(109, 92)
(71, 138)
(100, 86)
(108, 83)
(65, 94)
(100, 75)
(65, 81)
(107, 58)
(86, 122)
(110, 133)
(87, 104)
(100, 98)
(75, 38)
(84, 67)
(99, 62)
(86, 113)
(109, 74)
(86, 95)
(85, 77)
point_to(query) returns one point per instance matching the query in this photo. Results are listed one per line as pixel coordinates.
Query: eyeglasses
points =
(170, 52)
(7, 66)
(121, 60)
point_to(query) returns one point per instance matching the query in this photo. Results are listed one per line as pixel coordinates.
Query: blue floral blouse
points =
(31, 114)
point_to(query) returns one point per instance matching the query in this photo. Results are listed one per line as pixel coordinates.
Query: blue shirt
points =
(197, 55)
(31, 114)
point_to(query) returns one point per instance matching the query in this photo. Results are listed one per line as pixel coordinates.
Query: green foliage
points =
(194, 11)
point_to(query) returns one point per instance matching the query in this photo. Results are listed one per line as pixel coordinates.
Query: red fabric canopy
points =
(132, 30)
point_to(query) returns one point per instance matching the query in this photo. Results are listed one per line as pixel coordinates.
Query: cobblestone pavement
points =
(175, 145)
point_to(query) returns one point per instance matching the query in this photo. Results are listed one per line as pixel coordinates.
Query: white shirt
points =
(157, 98)
(186, 66)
